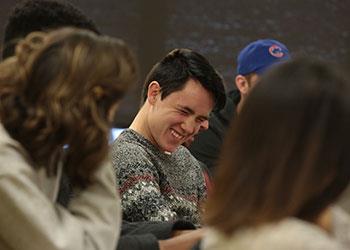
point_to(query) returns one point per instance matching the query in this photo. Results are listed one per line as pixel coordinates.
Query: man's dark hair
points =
(180, 65)
(42, 15)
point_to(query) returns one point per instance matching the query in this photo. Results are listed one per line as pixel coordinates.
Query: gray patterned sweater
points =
(156, 186)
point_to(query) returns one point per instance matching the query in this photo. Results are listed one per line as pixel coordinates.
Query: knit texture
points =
(156, 186)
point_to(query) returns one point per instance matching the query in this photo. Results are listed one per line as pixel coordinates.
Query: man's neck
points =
(240, 105)
(140, 125)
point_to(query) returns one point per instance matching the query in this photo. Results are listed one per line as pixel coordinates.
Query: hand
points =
(181, 232)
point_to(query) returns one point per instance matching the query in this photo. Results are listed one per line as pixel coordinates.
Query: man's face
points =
(179, 116)
(245, 84)
(252, 81)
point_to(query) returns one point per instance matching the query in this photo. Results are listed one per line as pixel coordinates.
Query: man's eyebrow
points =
(204, 117)
(187, 109)
(190, 111)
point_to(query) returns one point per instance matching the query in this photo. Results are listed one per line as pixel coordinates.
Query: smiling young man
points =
(159, 179)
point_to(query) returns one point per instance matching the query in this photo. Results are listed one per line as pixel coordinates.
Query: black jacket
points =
(145, 235)
(207, 144)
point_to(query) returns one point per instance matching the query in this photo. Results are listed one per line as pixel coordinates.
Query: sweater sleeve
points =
(29, 220)
(160, 229)
(138, 242)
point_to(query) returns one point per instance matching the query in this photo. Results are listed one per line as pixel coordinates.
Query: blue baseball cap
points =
(259, 55)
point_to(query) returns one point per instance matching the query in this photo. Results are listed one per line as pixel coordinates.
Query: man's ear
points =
(153, 92)
(242, 84)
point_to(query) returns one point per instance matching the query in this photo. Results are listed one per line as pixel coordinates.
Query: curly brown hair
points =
(58, 90)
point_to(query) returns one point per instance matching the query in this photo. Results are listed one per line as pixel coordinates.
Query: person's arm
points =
(183, 242)
(160, 229)
(156, 235)
(30, 221)
(138, 242)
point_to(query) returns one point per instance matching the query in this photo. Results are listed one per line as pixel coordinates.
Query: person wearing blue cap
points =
(252, 61)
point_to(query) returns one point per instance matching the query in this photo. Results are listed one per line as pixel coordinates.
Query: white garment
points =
(288, 234)
(31, 220)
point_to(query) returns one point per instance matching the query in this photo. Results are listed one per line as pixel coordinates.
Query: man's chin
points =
(170, 149)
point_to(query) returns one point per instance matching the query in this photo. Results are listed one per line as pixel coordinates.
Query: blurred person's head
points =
(287, 154)
(41, 15)
(254, 60)
(61, 89)
(178, 95)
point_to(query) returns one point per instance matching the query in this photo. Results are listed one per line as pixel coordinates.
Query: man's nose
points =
(204, 125)
(189, 126)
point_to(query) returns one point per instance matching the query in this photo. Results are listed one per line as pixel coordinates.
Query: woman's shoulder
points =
(13, 156)
(341, 225)
(288, 234)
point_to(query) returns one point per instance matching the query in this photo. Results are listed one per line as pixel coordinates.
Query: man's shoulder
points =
(127, 146)
(128, 151)
(128, 143)
(183, 156)
(184, 152)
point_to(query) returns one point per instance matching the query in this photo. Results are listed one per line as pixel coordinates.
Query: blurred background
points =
(217, 29)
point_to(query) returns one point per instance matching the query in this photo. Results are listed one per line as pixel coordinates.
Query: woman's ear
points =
(153, 92)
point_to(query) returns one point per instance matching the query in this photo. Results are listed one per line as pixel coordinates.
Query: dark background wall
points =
(217, 29)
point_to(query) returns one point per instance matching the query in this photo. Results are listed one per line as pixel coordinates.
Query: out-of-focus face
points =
(112, 111)
(179, 116)
(252, 81)
(245, 84)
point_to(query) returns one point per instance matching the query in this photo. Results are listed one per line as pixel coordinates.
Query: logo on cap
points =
(276, 51)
